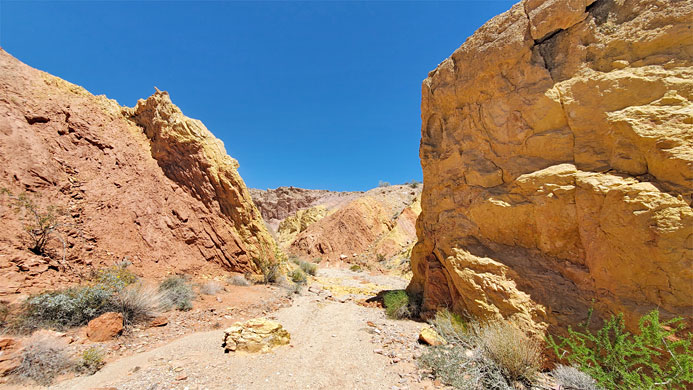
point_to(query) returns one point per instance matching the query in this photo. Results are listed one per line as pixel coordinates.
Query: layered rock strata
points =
(143, 184)
(557, 151)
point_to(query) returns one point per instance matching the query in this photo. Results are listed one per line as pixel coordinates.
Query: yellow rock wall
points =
(557, 151)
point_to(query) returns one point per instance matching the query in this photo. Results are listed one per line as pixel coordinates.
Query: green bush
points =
(298, 276)
(176, 292)
(657, 357)
(398, 304)
(115, 277)
(90, 361)
(355, 268)
(65, 308)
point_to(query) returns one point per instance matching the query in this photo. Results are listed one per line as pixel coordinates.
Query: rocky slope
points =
(146, 184)
(277, 204)
(378, 224)
(558, 167)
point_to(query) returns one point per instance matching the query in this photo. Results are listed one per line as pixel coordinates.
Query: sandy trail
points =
(332, 347)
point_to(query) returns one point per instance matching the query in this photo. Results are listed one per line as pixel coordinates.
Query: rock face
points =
(256, 335)
(557, 151)
(105, 327)
(279, 203)
(144, 183)
(378, 224)
(295, 223)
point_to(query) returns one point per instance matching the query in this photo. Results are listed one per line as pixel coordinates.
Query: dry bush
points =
(237, 280)
(210, 288)
(496, 355)
(570, 378)
(516, 354)
(91, 361)
(42, 359)
(138, 303)
(176, 292)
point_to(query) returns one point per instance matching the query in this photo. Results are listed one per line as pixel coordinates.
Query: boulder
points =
(105, 327)
(256, 335)
(158, 322)
(556, 151)
(429, 336)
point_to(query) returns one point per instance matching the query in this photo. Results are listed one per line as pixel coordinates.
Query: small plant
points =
(449, 325)
(210, 288)
(298, 276)
(309, 268)
(4, 313)
(414, 183)
(42, 360)
(383, 183)
(138, 303)
(40, 223)
(656, 357)
(91, 361)
(570, 378)
(176, 292)
(355, 268)
(398, 304)
(115, 277)
(237, 280)
(269, 269)
(380, 257)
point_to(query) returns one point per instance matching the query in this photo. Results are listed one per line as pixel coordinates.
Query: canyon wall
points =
(143, 184)
(557, 152)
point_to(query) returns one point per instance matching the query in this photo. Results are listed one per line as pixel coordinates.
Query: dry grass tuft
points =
(42, 360)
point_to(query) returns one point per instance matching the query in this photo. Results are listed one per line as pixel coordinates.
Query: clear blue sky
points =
(310, 94)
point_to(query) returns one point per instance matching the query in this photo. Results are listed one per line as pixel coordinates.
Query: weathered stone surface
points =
(105, 327)
(429, 336)
(295, 223)
(256, 335)
(158, 322)
(145, 183)
(557, 150)
(10, 355)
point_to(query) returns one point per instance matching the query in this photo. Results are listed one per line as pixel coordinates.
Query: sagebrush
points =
(42, 360)
(176, 292)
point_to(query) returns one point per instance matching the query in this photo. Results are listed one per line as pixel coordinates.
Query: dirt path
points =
(332, 347)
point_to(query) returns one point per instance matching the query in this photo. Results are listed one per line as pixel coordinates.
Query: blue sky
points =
(310, 94)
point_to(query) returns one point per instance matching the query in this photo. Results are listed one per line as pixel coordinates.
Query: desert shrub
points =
(451, 326)
(237, 280)
(380, 257)
(40, 223)
(42, 360)
(414, 183)
(298, 276)
(115, 277)
(210, 288)
(656, 357)
(4, 313)
(309, 268)
(270, 270)
(317, 260)
(464, 368)
(138, 303)
(355, 268)
(383, 183)
(64, 308)
(571, 378)
(518, 356)
(496, 355)
(398, 304)
(176, 292)
(90, 361)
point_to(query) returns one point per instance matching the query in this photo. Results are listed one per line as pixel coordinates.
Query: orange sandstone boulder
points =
(105, 327)
(557, 151)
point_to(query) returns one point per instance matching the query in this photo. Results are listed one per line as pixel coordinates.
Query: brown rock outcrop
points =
(145, 183)
(105, 327)
(380, 223)
(557, 151)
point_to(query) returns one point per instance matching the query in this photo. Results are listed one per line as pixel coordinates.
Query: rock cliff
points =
(557, 151)
(146, 184)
